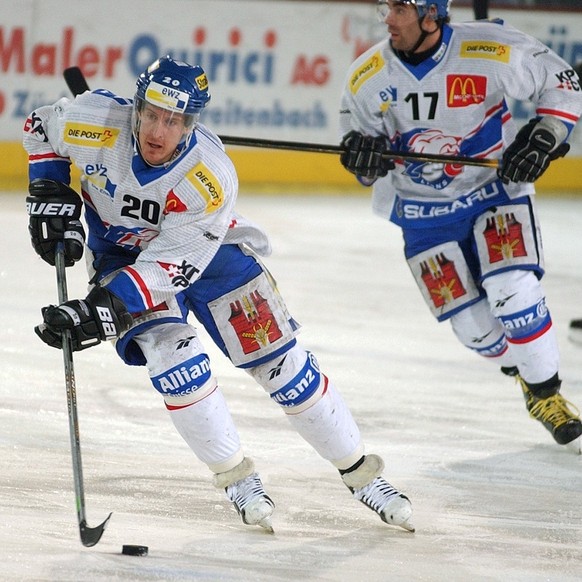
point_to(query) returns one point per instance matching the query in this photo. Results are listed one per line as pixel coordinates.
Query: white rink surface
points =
(494, 498)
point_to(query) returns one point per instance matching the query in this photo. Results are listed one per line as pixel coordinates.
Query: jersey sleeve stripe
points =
(48, 157)
(566, 117)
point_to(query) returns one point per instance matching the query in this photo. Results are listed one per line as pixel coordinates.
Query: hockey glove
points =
(538, 143)
(54, 210)
(362, 156)
(99, 317)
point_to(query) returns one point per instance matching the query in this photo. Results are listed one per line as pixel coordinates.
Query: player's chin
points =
(154, 156)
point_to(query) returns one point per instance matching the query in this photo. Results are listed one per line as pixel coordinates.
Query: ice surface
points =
(494, 498)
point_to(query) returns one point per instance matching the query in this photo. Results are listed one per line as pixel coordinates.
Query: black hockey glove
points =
(99, 317)
(538, 143)
(54, 210)
(362, 155)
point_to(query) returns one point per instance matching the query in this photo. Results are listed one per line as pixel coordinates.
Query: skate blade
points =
(575, 445)
(575, 337)
(266, 525)
(407, 526)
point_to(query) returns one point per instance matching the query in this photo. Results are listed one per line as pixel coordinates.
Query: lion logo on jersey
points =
(433, 141)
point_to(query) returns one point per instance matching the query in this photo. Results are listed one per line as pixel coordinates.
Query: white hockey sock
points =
(537, 360)
(208, 429)
(329, 427)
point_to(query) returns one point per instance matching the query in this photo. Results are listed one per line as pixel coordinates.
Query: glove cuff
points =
(555, 127)
(109, 312)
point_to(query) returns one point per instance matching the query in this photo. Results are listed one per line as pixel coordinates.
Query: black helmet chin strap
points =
(423, 35)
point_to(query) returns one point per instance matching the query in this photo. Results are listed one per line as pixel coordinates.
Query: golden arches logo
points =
(174, 204)
(464, 90)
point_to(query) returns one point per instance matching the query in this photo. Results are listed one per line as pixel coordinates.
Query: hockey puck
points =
(135, 550)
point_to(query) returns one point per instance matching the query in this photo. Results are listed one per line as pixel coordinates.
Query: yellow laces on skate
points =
(554, 410)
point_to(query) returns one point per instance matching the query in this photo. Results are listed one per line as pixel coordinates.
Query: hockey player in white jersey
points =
(471, 234)
(164, 241)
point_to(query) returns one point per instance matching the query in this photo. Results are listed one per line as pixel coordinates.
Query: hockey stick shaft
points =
(333, 149)
(481, 9)
(89, 535)
(77, 84)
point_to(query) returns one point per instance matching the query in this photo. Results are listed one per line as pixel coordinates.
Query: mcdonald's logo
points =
(174, 204)
(464, 90)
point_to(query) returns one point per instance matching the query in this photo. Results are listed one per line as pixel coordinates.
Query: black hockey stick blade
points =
(75, 80)
(90, 536)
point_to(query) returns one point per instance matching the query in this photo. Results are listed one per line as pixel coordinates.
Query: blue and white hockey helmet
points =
(174, 86)
(422, 7)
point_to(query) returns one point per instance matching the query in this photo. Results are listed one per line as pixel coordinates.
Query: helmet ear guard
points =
(423, 8)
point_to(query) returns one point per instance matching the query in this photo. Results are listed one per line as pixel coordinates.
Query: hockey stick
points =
(77, 84)
(75, 80)
(89, 535)
(481, 9)
(333, 149)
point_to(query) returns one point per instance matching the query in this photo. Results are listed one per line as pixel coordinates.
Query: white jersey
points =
(454, 103)
(170, 219)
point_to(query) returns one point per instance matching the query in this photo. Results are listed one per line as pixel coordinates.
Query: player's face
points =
(160, 132)
(402, 21)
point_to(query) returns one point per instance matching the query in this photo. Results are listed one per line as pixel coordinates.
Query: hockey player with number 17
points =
(165, 242)
(471, 233)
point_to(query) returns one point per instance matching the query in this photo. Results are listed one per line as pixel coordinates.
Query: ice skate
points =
(244, 488)
(252, 503)
(575, 331)
(393, 507)
(558, 415)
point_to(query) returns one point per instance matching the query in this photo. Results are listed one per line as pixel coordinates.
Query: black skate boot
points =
(545, 403)
(575, 331)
